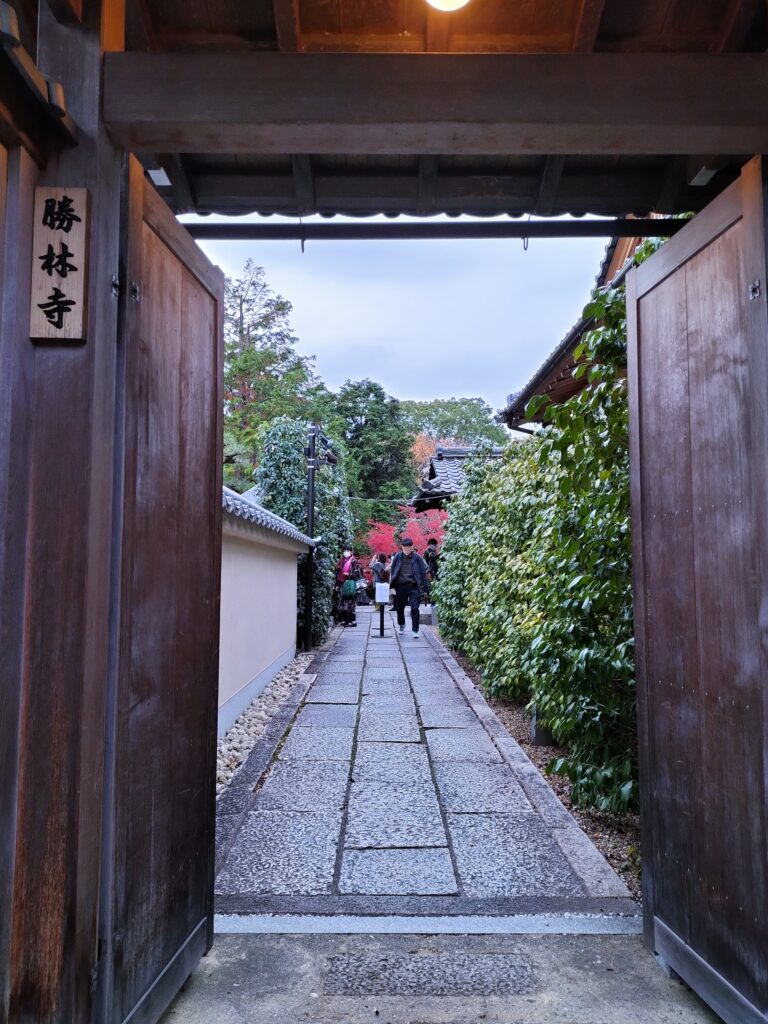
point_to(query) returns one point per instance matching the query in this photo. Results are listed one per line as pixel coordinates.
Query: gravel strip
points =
(617, 837)
(235, 745)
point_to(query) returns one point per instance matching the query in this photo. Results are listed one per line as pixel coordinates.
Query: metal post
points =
(311, 466)
(381, 620)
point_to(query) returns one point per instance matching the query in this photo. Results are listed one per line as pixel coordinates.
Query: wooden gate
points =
(159, 842)
(107, 769)
(698, 374)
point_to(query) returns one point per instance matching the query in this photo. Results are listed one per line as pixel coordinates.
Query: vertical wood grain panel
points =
(698, 375)
(727, 455)
(669, 591)
(17, 179)
(165, 768)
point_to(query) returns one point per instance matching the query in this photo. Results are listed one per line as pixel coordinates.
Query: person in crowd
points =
(432, 557)
(347, 574)
(379, 572)
(379, 569)
(408, 576)
(388, 579)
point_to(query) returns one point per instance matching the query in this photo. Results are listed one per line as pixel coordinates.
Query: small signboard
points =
(382, 593)
(57, 309)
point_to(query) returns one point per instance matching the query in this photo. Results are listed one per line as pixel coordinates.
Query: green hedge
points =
(535, 582)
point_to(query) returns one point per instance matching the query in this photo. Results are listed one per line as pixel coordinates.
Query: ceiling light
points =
(447, 5)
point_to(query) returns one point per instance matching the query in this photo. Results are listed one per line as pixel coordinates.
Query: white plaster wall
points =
(258, 620)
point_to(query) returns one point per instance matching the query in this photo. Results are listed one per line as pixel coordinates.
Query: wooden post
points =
(57, 440)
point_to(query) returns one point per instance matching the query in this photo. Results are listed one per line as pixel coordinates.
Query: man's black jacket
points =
(419, 571)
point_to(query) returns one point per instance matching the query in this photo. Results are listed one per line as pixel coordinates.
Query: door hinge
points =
(754, 290)
(115, 285)
(135, 292)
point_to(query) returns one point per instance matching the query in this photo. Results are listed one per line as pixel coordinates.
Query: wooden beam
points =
(303, 185)
(287, 24)
(609, 228)
(425, 193)
(438, 31)
(427, 186)
(183, 192)
(735, 26)
(672, 184)
(587, 25)
(502, 104)
(68, 12)
(549, 183)
(139, 27)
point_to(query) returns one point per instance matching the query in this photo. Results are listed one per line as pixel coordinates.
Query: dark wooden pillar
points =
(57, 421)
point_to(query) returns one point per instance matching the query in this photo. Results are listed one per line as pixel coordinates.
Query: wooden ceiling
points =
(319, 171)
(483, 26)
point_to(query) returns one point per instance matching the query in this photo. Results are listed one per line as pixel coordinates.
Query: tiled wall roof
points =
(238, 505)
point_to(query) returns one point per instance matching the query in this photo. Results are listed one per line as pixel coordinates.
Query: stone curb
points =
(595, 873)
(238, 796)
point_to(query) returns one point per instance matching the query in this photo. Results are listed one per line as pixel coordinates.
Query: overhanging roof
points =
(446, 476)
(328, 106)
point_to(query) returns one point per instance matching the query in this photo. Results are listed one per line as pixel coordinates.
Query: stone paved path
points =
(395, 789)
(378, 813)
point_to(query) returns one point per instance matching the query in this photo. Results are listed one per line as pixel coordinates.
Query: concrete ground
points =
(360, 979)
(389, 854)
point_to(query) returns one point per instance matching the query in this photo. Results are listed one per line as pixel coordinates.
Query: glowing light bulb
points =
(447, 5)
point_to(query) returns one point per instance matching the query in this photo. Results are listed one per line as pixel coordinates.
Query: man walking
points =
(408, 575)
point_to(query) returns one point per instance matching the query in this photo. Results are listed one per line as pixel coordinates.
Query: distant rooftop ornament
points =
(447, 5)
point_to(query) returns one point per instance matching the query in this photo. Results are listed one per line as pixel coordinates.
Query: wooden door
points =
(160, 894)
(698, 375)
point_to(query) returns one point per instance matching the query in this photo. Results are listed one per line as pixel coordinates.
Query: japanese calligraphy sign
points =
(59, 265)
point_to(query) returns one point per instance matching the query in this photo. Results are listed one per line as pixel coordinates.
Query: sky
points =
(427, 319)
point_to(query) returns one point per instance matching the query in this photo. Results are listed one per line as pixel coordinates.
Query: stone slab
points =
(304, 786)
(393, 728)
(387, 688)
(386, 671)
(431, 974)
(333, 693)
(392, 763)
(393, 816)
(385, 704)
(317, 743)
(282, 852)
(468, 787)
(331, 716)
(399, 872)
(510, 855)
(461, 745)
(451, 716)
(333, 677)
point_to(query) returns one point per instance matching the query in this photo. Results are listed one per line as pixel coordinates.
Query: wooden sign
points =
(57, 309)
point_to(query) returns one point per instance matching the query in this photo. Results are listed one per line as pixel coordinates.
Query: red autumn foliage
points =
(384, 537)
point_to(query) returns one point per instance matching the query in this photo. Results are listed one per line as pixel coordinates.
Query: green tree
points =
(264, 376)
(378, 442)
(463, 421)
(282, 480)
